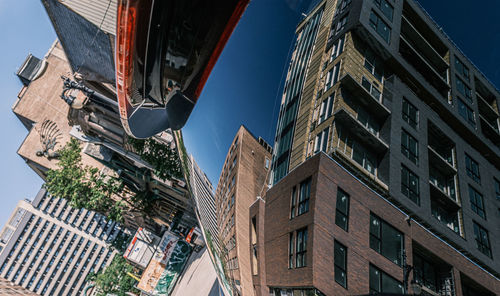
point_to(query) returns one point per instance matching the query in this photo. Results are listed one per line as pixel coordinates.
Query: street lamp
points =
(78, 101)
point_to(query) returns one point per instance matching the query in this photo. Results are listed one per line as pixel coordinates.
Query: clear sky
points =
(244, 87)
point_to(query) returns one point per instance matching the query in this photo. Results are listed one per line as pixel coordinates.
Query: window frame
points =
(477, 202)
(340, 212)
(481, 233)
(337, 266)
(461, 68)
(470, 167)
(379, 239)
(408, 185)
(379, 4)
(301, 248)
(406, 146)
(304, 200)
(380, 280)
(375, 21)
(466, 112)
(407, 116)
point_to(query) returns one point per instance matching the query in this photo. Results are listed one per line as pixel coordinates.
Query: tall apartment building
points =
(243, 178)
(49, 248)
(386, 161)
(204, 197)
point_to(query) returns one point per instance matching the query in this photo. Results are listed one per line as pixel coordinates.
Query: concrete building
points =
(243, 178)
(49, 248)
(51, 123)
(204, 197)
(406, 189)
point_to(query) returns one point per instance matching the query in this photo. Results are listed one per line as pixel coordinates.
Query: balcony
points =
(350, 123)
(490, 130)
(413, 57)
(441, 194)
(365, 97)
(440, 162)
(421, 44)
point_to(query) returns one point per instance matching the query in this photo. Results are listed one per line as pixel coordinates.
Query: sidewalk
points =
(199, 277)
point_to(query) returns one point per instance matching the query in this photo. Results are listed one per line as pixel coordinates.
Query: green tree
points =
(114, 279)
(164, 159)
(83, 186)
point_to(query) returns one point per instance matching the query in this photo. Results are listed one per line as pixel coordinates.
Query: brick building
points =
(243, 178)
(386, 161)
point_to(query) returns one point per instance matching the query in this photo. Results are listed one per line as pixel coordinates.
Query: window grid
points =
(482, 239)
(472, 168)
(410, 185)
(410, 113)
(342, 209)
(409, 146)
(340, 264)
(477, 202)
(301, 248)
(304, 195)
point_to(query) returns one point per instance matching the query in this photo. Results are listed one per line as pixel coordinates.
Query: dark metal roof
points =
(88, 48)
(29, 68)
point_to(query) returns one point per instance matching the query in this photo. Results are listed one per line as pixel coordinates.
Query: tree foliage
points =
(164, 159)
(83, 186)
(114, 280)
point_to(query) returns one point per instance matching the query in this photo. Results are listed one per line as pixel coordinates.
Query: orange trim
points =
(125, 37)
(231, 24)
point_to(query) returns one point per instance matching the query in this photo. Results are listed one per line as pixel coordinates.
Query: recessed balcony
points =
(489, 130)
(349, 122)
(440, 162)
(413, 56)
(364, 96)
(422, 45)
(443, 197)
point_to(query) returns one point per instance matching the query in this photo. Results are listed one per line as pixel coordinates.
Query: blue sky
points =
(244, 87)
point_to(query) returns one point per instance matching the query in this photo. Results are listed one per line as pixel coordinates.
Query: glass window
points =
(476, 202)
(340, 262)
(482, 239)
(466, 112)
(301, 247)
(326, 109)
(304, 195)
(342, 209)
(332, 76)
(370, 88)
(341, 7)
(472, 168)
(380, 27)
(337, 48)
(381, 282)
(424, 272)
(290, 250)
(341, 24)
(293, 202)
(364, 157)
(410, 113)
(461, 68)
(385, 7)
(410, 185)
(464, 89)
(373, 64)
(409, 146)
(386, 240)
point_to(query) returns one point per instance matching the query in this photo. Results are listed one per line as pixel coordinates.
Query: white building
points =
(49, 247)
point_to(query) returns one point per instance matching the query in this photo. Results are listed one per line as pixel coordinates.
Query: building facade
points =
(48, 247)
(243, 178)
(380, 89)
(51, 123)
(204, 197)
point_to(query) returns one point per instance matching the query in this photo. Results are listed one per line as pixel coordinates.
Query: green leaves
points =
(83, 186)
(163, 158)
(114, 279)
